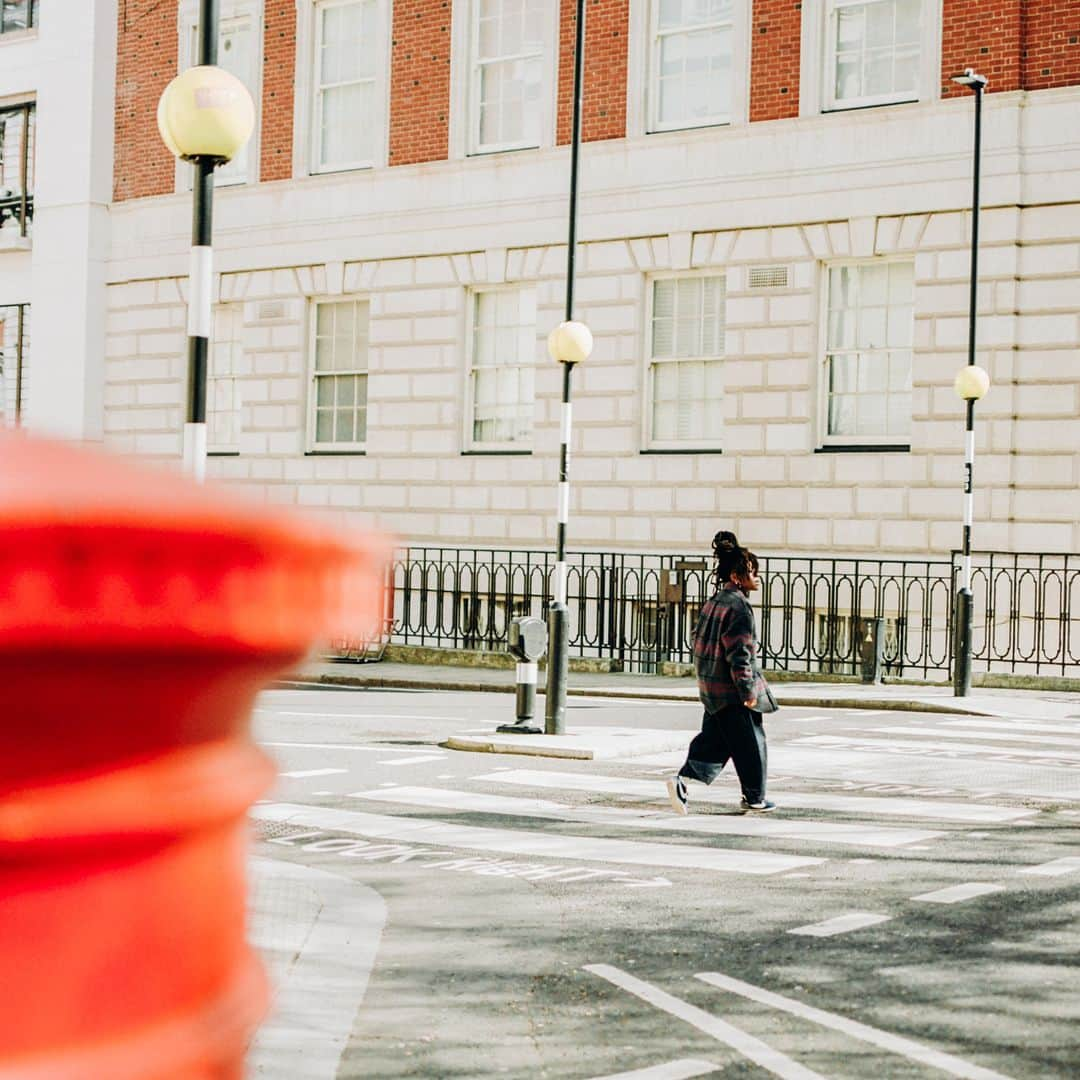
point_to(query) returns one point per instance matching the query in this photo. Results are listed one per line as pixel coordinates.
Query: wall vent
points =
(768, 277)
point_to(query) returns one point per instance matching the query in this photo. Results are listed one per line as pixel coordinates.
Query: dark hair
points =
(731, 558)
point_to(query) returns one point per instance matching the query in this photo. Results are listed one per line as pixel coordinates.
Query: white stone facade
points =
(797, 196)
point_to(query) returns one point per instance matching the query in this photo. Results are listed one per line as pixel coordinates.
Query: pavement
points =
(594, 743)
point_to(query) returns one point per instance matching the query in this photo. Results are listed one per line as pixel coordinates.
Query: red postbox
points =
(140, 613)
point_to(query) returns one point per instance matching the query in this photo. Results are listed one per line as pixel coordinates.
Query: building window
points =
(692, 62)
(686, 348)
(346, 100)
(507, 74)
(868, 353)
(14, 368)
(339, 376)
(873, 52)
(18, 15)
(501, 365)
(223, 401)
(17, 137)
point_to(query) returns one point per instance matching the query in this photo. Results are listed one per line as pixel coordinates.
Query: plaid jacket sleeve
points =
(737, 638)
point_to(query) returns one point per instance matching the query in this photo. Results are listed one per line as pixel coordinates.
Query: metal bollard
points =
(527, 640)
(871, 649)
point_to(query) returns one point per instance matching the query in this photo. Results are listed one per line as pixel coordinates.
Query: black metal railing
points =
(14, 365)
(639, 610)
(17, 137)
(18, 15)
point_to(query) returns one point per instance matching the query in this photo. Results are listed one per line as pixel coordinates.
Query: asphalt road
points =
(909, 911)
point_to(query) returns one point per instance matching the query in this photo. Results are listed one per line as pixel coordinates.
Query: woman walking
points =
(732, 688)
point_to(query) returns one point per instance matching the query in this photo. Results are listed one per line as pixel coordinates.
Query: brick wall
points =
(603, 93)
(1051, 48)
(984, 35)
(146, 51)
(420, 81)
(775, 31)
(279, 75)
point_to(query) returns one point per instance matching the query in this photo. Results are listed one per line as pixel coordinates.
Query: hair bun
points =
(726, 540)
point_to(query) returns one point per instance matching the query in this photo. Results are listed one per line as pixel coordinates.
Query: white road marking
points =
(841, 924)
(365, 716)
(531, 842)
(885, 1040)
(445, 776)
(853, 804)
(683, 1069)
(298, 773)
(1064, 865)
(865, 742)
(750, 1047)
(413, 760)
(308, 1028)
(340, 746)
(980, 733)
(1012, 725)
(825, 832)
(954, 894)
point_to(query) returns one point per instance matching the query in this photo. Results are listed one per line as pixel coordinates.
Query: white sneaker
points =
(676, 790)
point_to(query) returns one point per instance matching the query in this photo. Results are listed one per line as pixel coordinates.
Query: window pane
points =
(324, 394)
(502, 357)
(324, 426)
(877, 49)
(344, 426)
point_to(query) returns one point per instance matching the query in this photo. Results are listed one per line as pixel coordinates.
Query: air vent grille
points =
(768, 277)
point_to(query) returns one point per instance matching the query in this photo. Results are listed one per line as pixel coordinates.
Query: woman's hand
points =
(751, 703)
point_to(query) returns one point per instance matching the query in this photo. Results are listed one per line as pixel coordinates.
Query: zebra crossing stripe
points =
(884, 1040)
(1015, 725)
(750, 1047)
(954, 894)
(899, 806)
(531, 842)
(825, 832)
(865, 743)
(683, 1069)
(1047, 745)
(1065, 865)
(840, 924)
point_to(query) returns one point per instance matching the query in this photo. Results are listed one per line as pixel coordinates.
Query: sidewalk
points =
(1026, 704)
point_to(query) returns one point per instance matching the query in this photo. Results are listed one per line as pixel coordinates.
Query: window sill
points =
(9, 37)
(222, 453)
(864, 448)
(335, 453)
(496, 453)
(685, 450)
(859, 105)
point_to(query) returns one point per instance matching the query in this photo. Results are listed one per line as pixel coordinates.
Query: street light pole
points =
(201, 271)
(971, 384)
(205, 116)
(564, 347)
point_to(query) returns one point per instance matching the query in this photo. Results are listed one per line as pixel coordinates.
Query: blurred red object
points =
(140, 613)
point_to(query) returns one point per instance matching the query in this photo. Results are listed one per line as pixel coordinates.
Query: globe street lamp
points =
(971, 384)
(205, 116)
(569, 343)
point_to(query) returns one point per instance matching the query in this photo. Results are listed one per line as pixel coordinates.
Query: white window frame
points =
(648, 442)
(224, 407)
(528, 341)
(313, 446)
(817, 76)
(825, 438)
(465, 95)
(232, 14)
(305, 133)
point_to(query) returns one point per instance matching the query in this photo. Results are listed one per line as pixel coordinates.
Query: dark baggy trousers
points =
(736, 733)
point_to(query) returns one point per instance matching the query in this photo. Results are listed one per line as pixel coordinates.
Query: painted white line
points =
(758, 1052)
(956, 893)
(531, 842)
(445, 776)
(335, 946)
(980, 733)
(1064, 865)
(824, 832)
(885, 1040)
(867, 743)
(683, 1069)
(842, 924)
(298, 773)
(1012, 725)
(365, 716)
(900, 806)
(413, 760)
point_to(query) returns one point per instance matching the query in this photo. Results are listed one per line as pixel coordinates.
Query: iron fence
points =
(639, 610)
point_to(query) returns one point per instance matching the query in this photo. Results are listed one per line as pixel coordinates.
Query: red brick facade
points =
(775, 50)
(420, 81)
(984, 35)
(145, 64)
(603, 92)
(1051, 53)
(279, 77)
(1030, 44)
